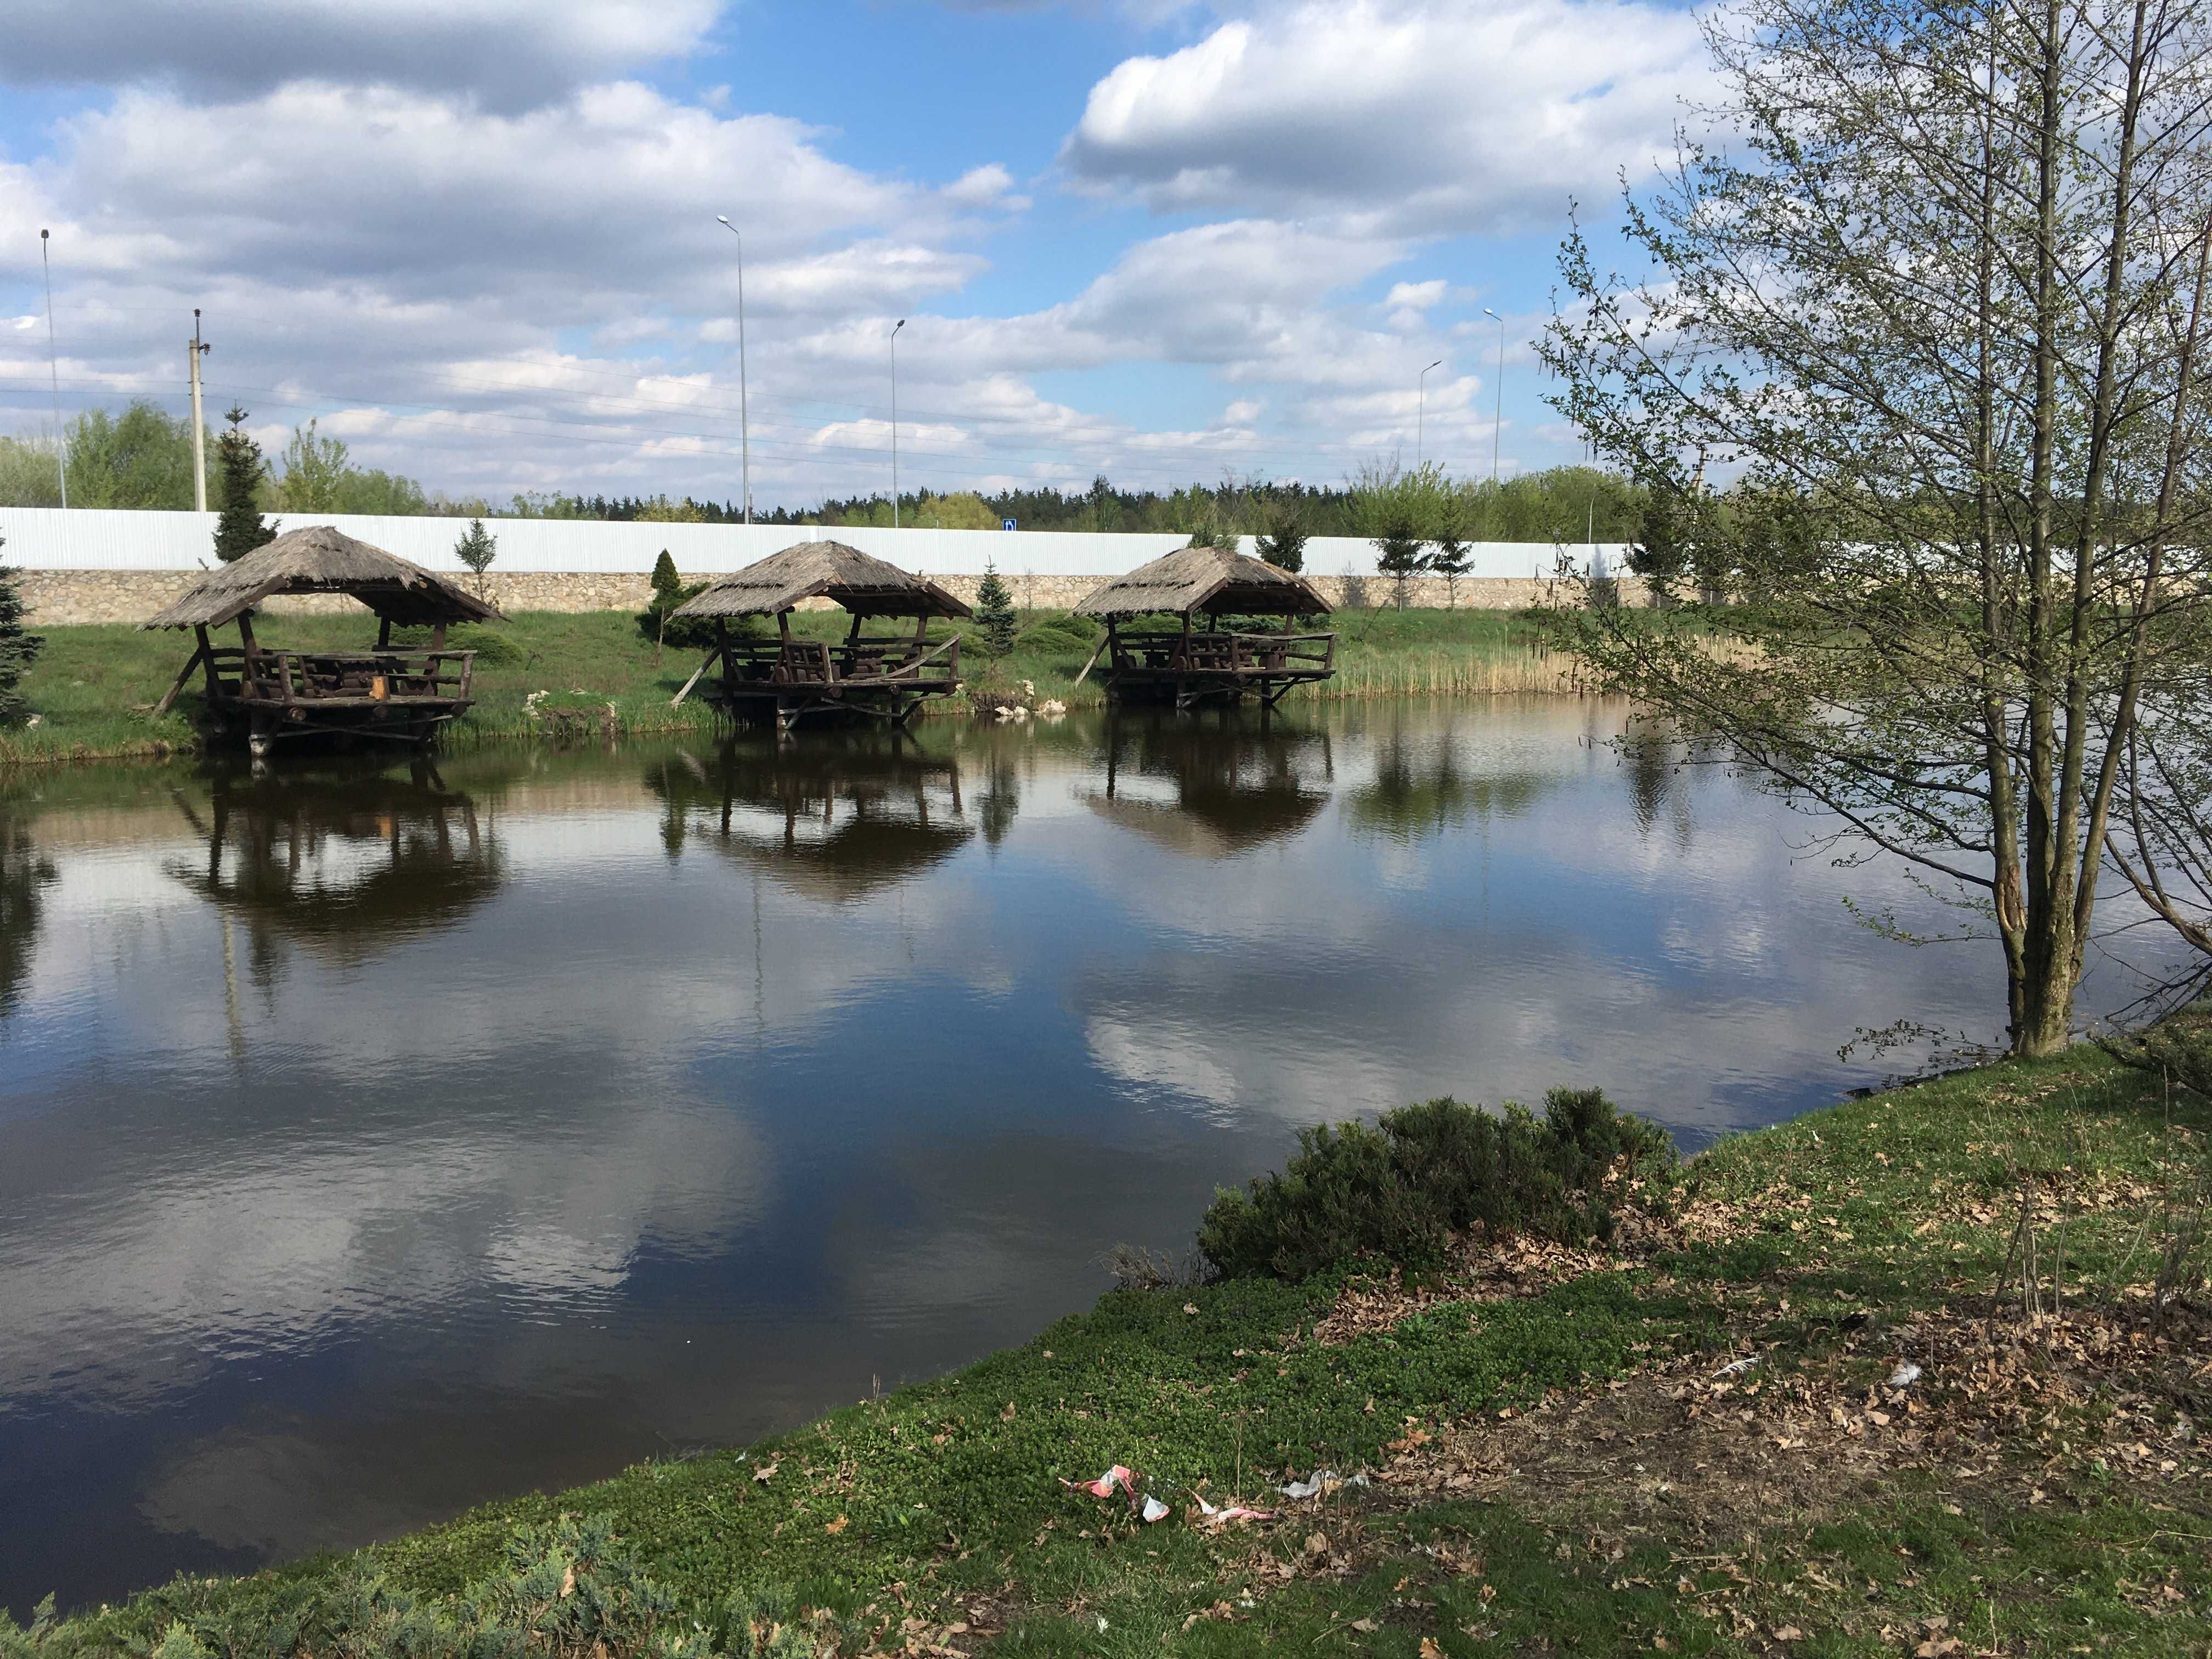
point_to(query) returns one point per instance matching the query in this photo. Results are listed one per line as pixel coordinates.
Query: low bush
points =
(1062, 633)
(493, 648)
(1424, 1174)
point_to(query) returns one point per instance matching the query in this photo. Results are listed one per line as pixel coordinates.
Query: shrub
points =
(1424, 1173)
(493, 649)
(1070, 632)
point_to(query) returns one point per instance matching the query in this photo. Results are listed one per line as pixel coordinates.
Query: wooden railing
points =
(295, 677)
(819, 662)
(1255, 655)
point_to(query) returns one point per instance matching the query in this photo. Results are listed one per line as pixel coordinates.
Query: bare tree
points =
(1934, 291)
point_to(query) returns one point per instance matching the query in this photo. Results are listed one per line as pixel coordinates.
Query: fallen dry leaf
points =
(765, 1472)
(832, 1527)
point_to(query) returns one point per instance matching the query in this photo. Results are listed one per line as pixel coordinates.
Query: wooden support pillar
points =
(383, 633)
(177, 684)
(438, 637)
(206, 661)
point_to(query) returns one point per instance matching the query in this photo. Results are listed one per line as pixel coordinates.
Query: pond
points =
(372, 1143)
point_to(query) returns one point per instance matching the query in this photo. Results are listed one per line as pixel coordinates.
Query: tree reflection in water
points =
(24, 872)
(834, 815)
(1214, 785)
(1421, 787)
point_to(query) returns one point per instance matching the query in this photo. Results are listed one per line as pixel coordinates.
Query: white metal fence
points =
(48, 538)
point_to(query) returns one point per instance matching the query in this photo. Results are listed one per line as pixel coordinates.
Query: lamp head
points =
(1487, 312)
(1439, 363)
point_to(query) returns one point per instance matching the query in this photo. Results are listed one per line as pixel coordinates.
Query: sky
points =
(1167, 242)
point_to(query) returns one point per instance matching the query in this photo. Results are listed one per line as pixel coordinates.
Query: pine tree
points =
(479, 547)
(1398, 551)
(239, 529)
(17, 648)
(994, 611)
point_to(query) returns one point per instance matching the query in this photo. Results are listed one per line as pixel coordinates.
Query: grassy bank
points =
(1557, 1457)
(93, 686)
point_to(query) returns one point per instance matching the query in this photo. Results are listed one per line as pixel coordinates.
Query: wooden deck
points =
(272, 695)
(1189, 668)
(790, 678)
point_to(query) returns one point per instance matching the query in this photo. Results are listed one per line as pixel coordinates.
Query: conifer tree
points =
(994, 611)
(478, 547)
(17, 648)
(239, 529)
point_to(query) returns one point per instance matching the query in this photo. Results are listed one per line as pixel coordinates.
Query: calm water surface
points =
(375, 1143)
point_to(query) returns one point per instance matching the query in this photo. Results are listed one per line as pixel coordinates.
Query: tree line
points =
(141, 458)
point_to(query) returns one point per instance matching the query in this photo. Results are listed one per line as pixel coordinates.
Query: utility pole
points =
(895, 496)
(198, 349)
(1498, 423)
(1421, 416)
(54, 368)
(744, 420)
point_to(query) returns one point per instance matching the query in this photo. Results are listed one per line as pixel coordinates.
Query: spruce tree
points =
(1398, 551)
(17, 648)
(478, 547)
(239, 529)
(994, 611)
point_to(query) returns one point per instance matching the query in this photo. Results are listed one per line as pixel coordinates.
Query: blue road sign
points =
(1009, 524)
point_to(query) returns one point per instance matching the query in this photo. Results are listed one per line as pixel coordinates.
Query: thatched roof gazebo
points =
(1215, 661)
(881, 677)
(402, 694)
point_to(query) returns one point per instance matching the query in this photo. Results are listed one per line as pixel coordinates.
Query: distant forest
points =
(142, 457)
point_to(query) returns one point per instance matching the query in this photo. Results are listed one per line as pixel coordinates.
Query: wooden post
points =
(183, 674)
(383, 633)
(249, 670)
(207, 657)
(438, 637)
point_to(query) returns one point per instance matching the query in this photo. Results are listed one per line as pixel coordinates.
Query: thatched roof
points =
(825, 569)
(322, 559)
(1214, 579)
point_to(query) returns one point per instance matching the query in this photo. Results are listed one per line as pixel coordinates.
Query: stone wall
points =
(57, 598)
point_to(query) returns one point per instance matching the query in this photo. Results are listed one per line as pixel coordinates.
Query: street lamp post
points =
(745, 419)
(894, 494)
(1421, 415)
(1498, 422)
(54, 368)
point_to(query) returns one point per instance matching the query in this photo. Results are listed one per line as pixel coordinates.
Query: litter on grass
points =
(1738, 1367)
(1322, 1480)
(1223, 1515)
(1905, 1376)
(1153, 1510)
(1104, 1485)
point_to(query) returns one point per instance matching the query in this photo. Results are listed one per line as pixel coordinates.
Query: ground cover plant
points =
(1707, 1436)
(93, 685)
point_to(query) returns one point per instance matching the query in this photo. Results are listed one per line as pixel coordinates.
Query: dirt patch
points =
(2000, 1410)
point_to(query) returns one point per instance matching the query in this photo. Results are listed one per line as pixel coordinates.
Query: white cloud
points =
(1434, 115)
(503, 50)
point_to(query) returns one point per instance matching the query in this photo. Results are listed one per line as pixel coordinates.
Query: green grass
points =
(91, 687)
(1826, 1246)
